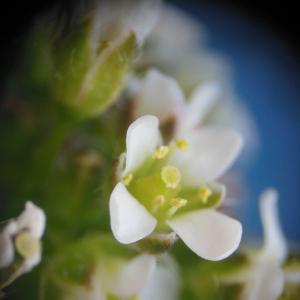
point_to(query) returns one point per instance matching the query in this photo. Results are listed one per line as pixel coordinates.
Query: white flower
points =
(265, 277)
(192, 63)
(171, 187)
(119, 18)
(164, 283)
(123, 279)
(160, 95)
(23, 235)
(209, 104)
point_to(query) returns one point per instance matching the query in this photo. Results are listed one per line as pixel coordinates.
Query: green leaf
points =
(86, 82)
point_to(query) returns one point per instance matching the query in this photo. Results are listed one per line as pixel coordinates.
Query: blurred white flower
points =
(192, 63)
(20, 243)
(157, 182)
(121, 279)
(23, 235)
(160, 95)
(122, 17)
(164, 283)
(265, 277)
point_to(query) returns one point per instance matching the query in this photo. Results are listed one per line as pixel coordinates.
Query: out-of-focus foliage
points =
(56, 141)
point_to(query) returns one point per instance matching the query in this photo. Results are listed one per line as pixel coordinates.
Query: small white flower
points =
(160, 95)
(123, 279)
(265, 277)
(119, 18)
(23, 235)
(164, 283)
(192, 63)
(158, 182)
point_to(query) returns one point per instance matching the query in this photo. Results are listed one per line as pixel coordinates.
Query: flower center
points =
(27, 245)
(171, 176)
(161, 152)
(176, 203)
(158, 185)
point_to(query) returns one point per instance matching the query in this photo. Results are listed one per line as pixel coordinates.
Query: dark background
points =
(16, 17)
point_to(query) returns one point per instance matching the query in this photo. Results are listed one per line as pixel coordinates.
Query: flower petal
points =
(292, 277)
(212, 151)
(164, 283)
(124, 16)
(202, 100)
(275, 247)
(208, 233)
(6, 250)
(266, 283)
(143, 136)
(33, 219)
(133, 276)
(159, 95)
(129, 220)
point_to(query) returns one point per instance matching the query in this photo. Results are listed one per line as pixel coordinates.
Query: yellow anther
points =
(161, 152)
(182, 144)
(176, 203)
(27, 245)
(204, 193)
(171, 176)
(127, 179)
(159, 200)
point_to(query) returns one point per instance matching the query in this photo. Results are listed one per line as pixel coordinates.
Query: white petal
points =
(124, 17)
(212, 151)
(142, 138)
(129, 220)
(202, 100)
(210, 234)
(266, 284)
(292, 277)
(275, 247)
(164, 283)
(133, 276)
(6, 250)
(33, 219)
(141, 17)
(158, 95)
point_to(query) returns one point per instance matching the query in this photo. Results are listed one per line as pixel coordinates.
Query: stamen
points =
(171, 176)
(182, 144)
(27, 245)
(127, 179)
(204, 193)
(176, 203)
(158, 201)
(161, 152)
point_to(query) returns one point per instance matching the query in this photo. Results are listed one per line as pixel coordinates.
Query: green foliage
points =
(60, 148)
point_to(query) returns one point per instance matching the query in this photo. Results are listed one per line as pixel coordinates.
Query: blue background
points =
(267, 73)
